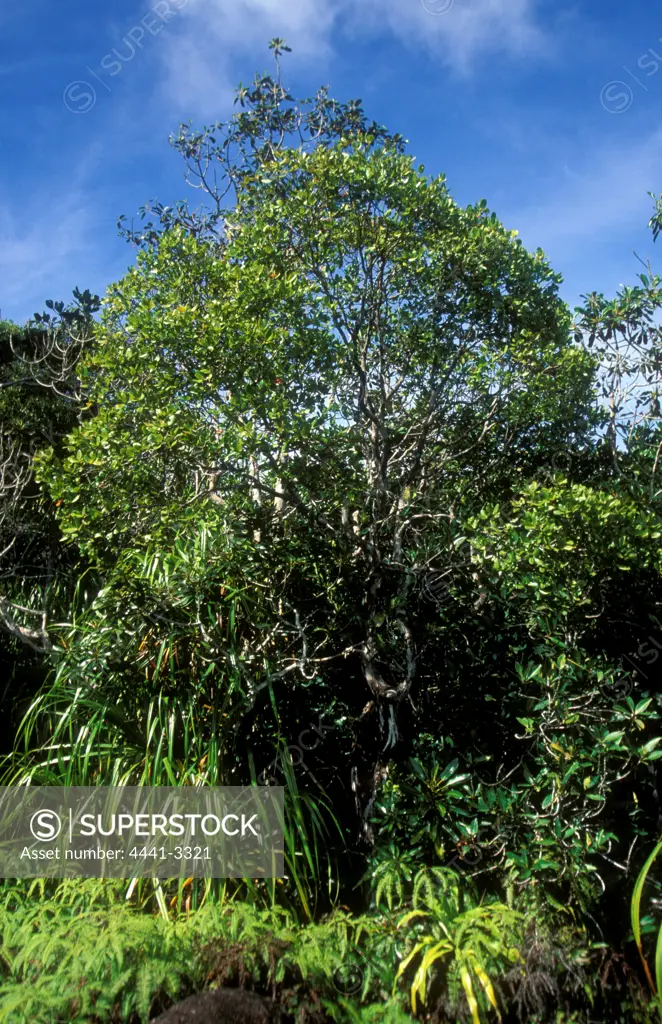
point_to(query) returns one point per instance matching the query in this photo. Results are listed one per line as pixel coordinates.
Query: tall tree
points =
(332, 394)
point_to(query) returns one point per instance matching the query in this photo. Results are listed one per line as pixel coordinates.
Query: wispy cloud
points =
(591, 218)
(459, 32)
(608, 191)
(49, 245)
(42, 248)
(215, 33)
(201, 58)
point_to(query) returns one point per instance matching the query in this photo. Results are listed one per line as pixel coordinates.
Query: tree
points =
(328, 397)
(220, 157)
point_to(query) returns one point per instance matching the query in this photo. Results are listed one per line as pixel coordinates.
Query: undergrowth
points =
(437, 952)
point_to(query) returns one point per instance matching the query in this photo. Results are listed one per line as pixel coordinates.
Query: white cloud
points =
(202, 51)
(459, 32)
(209, 36)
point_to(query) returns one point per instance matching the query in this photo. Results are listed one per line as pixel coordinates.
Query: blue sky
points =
(551, 111)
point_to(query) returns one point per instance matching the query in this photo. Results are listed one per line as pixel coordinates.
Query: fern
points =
(85, 953)
(64, 961)
(377, 1013)
(390, 877)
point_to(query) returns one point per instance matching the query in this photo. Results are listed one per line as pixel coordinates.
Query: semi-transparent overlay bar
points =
(129, 831)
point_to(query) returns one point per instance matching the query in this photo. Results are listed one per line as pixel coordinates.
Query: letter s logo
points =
(45, 825)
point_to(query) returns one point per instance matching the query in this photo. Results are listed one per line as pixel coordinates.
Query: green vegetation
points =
(335, 459)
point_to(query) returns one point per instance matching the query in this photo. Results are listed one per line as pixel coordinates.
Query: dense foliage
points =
(38, 409)
(336, 460)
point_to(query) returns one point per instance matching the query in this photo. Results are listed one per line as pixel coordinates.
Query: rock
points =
(221, 1006)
